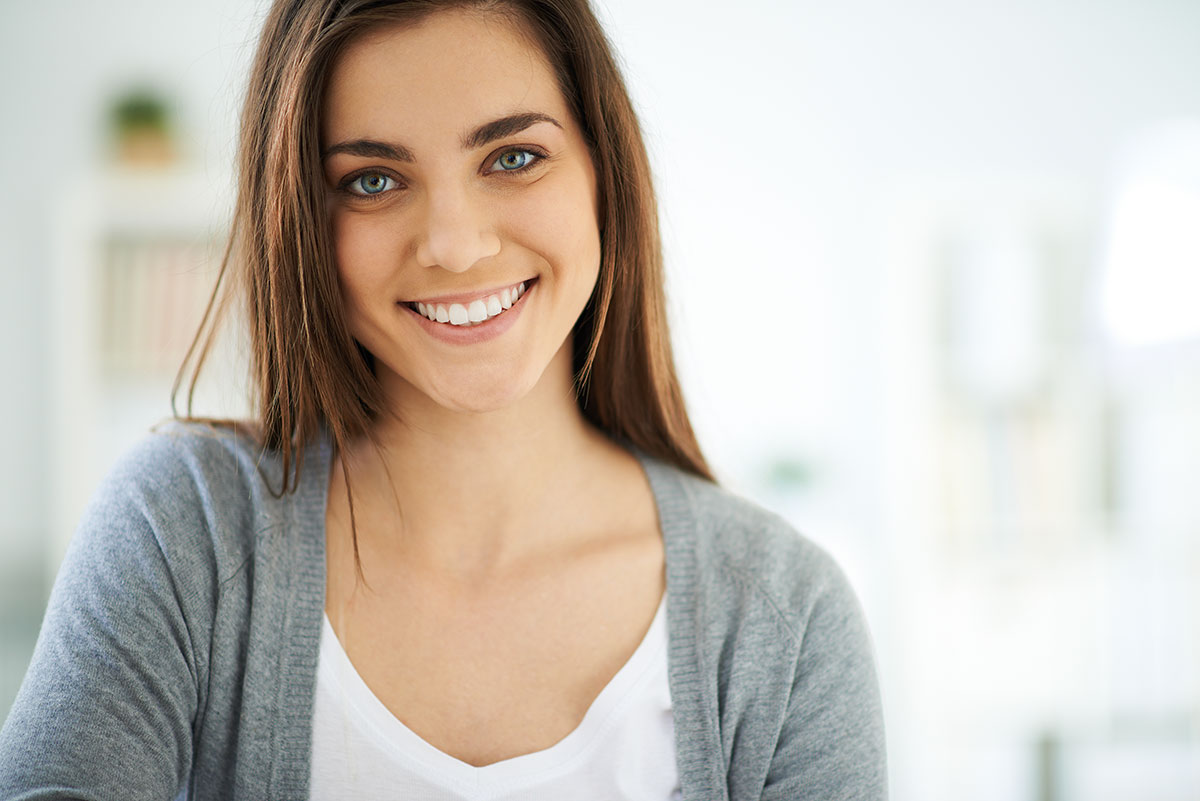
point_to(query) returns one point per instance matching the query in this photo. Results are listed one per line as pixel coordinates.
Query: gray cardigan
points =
(179, 649)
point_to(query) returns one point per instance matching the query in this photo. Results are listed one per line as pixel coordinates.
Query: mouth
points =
(473, 312)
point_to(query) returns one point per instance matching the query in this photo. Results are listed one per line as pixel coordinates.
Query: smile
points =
(473, 312)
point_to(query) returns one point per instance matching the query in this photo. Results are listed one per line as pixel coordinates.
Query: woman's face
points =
(457, 175)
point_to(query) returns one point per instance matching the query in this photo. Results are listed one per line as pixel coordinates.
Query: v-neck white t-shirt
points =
(623, 750)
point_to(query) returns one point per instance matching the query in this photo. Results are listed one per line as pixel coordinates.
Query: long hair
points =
(307, 371)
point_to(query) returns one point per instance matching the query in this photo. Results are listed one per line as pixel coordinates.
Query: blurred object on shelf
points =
(788, 472)
(1151, 269)
(1147, 330)
(995, 310)
(142, 128)
(155, 289)
(1015, 410)
(1048, 757)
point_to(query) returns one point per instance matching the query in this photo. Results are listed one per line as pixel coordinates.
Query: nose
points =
(457, 232)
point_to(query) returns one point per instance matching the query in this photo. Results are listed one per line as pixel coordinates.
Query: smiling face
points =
(460, 189)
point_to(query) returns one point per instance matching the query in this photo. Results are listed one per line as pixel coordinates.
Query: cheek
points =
(361, 252)
(560, 224)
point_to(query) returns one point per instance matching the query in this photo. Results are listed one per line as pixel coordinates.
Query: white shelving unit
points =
(136, 255)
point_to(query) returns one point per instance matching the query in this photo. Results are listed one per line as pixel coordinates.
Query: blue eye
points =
(371, 183)
(514, 160)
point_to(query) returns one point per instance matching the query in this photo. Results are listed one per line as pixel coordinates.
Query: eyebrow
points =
(484, 134)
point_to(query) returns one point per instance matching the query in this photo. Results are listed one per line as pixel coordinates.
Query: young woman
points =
(470, 549)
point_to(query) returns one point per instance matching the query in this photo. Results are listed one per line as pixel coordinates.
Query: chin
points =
(481, 398)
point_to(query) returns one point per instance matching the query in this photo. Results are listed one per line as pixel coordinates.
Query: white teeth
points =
(477, 311)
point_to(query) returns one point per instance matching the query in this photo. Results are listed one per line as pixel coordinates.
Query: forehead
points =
(442, 75)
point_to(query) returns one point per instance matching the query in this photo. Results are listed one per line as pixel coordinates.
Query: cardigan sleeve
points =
(832, 745)
(107, 706)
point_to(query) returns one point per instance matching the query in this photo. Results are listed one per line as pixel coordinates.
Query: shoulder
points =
(148, 635)
(182, 468)
(747, 556)
(177, 451)
(195, 491)
(770, 643)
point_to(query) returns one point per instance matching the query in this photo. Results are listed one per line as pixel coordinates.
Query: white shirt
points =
(623, 750)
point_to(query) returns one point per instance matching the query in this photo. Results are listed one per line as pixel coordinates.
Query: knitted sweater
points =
(179, 649)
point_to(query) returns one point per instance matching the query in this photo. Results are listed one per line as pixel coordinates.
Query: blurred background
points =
(934, 271)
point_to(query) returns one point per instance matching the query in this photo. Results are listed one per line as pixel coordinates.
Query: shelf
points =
(136, 254)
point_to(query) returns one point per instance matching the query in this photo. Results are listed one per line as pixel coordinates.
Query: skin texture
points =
(511, 553)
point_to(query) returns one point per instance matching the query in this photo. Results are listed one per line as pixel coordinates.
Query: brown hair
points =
(306, 368)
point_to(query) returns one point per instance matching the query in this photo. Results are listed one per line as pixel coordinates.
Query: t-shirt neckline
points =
(605, 710)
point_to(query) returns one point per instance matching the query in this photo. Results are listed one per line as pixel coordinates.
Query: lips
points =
(471, 312)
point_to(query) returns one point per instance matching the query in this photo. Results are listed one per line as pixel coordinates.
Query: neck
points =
(470, 493)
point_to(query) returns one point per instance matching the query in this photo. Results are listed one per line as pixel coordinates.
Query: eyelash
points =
(346, 185)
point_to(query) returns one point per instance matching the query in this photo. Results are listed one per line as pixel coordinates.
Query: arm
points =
(832, 744)
(107, 705)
